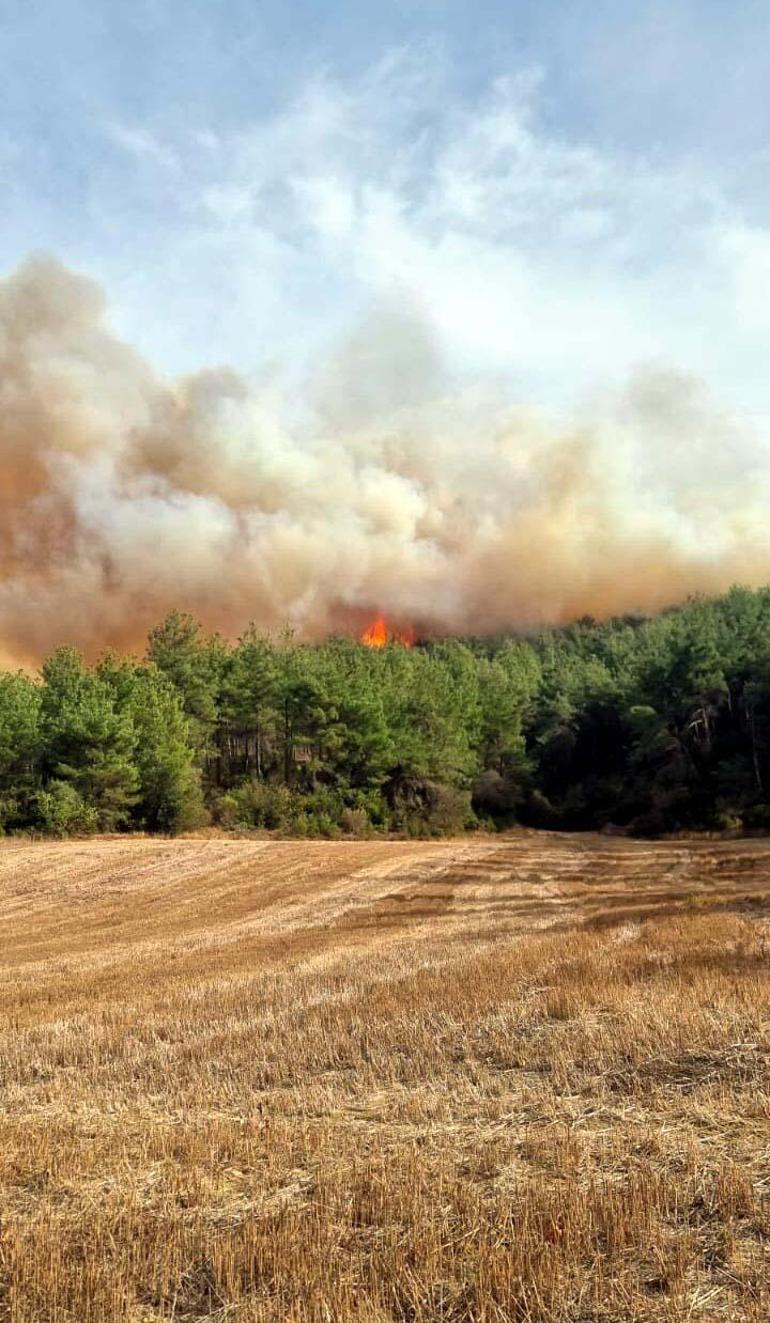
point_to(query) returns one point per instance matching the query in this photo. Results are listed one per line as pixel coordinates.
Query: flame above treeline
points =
(380, 633)
(124, 495)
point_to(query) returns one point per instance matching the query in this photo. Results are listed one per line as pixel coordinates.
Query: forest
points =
(644, 725)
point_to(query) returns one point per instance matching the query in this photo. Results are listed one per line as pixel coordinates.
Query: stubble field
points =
(520, 1078)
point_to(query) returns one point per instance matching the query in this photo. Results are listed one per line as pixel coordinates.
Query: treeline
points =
(652, 725)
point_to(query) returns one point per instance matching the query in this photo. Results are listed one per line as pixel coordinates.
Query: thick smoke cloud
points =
(123, 495)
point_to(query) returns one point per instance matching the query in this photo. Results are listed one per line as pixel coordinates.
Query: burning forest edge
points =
(381, 632)
(640, 725)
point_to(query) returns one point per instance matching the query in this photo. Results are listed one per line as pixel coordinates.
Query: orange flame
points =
(379, 633)
(376, 635)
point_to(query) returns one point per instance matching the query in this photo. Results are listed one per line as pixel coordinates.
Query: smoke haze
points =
(387, 487)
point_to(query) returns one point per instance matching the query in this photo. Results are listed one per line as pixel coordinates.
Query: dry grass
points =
(512, 1079)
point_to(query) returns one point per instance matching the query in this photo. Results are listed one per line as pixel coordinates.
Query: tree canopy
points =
(649, 725)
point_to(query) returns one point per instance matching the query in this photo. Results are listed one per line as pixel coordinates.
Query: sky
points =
(456, 310)
(557, 193)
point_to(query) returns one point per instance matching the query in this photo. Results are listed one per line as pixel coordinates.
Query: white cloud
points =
(143, 145)
(534, 256)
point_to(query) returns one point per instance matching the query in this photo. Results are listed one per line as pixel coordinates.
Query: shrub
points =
(757, 818)
(434, 810)
(224, 810)
(261, 804)
(323, 811)
(318, 812)
(496, 796)
(62, 811)
(311, 825)
(355, 822)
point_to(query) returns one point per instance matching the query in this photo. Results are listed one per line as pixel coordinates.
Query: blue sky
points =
(555, 193)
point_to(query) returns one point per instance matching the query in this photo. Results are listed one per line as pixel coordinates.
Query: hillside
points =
(517, 1077)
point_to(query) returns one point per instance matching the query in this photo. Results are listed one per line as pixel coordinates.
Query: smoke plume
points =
(387, 489)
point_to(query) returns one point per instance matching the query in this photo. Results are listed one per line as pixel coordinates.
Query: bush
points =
(318, 813)
(448, 810)
(10, 813)
(496, 796)
(323, 811)
(262, 804)
(757, 818)
(372, 803)
(61, 811)
(433, 809)
(355, 822)
(224, 811)
(727, 820)
(310, 825)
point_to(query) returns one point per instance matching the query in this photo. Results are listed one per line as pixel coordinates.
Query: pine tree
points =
(20, 741)
(88, 743)
(170, 797)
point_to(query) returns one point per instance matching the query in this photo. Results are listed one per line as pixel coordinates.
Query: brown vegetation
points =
(523, 1078)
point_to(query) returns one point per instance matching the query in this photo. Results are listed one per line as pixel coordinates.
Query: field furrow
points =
(521, 1077)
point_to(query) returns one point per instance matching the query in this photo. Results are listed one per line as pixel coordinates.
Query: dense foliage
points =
(655, 725)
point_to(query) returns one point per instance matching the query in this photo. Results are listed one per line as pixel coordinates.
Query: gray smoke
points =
(124, 494)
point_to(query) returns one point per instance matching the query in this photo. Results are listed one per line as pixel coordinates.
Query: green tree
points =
(88, 744)
(195, 667)
(249, 709)
(169, 797)
(20, 742)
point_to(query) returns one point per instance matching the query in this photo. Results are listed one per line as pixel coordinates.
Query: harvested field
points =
(520, 1078)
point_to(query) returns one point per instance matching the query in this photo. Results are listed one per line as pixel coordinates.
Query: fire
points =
(380, 632)
(376, 636)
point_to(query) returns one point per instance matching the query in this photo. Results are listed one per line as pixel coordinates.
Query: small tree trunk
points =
(754, 750)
